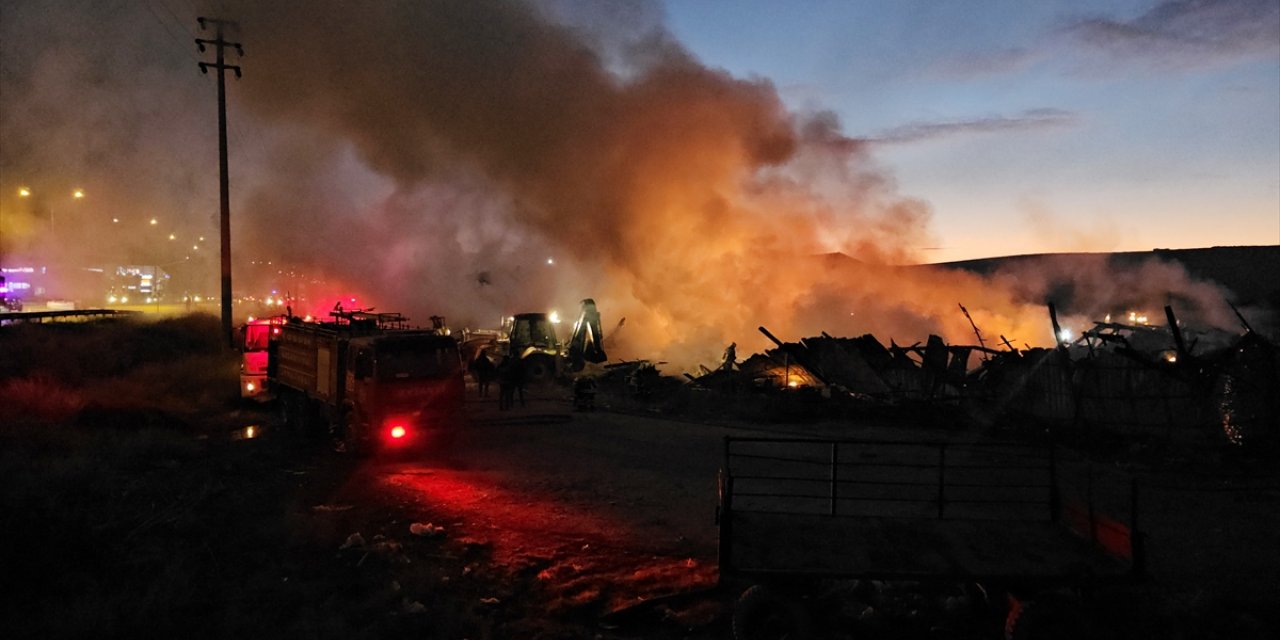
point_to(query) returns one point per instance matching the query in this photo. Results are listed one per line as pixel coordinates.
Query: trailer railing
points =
(862, 478)
(928, 480)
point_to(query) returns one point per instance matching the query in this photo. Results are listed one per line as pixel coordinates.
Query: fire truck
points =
(375, 383)
(256, 338)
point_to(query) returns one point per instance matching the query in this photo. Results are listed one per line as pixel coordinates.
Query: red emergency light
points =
(398, 432)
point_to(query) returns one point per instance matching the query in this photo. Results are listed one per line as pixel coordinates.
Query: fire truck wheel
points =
(353, 435)
(293, 414)
(763, 614)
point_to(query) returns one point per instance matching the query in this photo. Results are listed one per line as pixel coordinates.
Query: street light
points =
(76, 194)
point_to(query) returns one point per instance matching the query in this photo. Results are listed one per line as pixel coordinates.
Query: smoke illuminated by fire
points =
(690, 202)
(428, 157)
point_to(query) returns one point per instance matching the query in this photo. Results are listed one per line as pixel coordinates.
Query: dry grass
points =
(129, 513)
(52, 373)
(38, 399)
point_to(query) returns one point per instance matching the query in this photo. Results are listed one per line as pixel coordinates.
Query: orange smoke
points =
(488, 136)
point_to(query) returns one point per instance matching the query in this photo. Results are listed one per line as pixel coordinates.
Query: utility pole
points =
(225, 221)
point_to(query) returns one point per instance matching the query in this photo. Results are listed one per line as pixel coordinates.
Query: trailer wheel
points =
(763, 614)
(354, 435)
(1047, 618)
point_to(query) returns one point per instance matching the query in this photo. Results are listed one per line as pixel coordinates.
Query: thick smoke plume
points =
(476, 159)
(690, 202)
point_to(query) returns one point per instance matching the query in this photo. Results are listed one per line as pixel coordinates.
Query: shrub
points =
(38, 400)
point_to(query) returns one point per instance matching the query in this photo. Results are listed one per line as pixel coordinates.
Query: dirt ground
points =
(203, 519)
(539, 523)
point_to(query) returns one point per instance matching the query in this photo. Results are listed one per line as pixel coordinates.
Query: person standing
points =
(506, 383)
(518, 379)
(483, 370)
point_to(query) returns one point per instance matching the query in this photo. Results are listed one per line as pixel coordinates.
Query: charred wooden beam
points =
(799, 355)
(1247, 328)
(771, 337)
(981, 342)
(1176, 331)
(1057, 328)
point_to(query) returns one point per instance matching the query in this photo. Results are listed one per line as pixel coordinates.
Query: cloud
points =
(1029, 120)
(1186, 33)
(1172, 35)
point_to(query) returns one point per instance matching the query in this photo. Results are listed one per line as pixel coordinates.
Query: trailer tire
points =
(763, 614)
(1046, 618)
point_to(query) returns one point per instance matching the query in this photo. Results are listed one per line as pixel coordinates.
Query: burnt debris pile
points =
(1157, 383)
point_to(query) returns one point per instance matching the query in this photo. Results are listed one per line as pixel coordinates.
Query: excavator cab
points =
(533, 342)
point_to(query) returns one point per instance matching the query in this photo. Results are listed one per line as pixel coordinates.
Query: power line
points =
(178, 21)
(164, 25)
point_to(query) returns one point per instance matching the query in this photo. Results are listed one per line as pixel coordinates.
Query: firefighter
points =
(483, 371)
(518, 375)
(730, 357)
(510, 380)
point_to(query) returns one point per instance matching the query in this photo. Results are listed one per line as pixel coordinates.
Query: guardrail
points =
(69, 315)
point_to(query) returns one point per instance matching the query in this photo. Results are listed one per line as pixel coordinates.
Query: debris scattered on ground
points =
(354, 541)
(331, 508)
(426, 530)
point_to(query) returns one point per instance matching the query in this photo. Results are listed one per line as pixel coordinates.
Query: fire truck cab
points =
(257, 337)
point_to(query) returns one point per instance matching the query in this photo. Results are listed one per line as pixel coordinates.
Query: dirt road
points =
(609, 509)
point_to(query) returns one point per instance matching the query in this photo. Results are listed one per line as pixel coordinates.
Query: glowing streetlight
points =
(115, 221)
(76, 194)
(172, 236)
(154, 222)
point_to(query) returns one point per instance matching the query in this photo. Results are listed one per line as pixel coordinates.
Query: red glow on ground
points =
(518, 523)
(583, 553)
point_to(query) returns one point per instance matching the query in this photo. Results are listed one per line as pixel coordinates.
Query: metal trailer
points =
(994, 517)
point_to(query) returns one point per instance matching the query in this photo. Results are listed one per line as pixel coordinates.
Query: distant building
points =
(137, 284)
